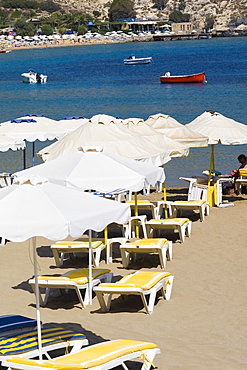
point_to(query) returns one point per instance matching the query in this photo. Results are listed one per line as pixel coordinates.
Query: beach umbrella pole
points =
(33, 242)
(33, 153)
(136, 214)
(90, 267)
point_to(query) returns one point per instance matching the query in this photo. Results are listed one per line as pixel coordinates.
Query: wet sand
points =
(203, 326)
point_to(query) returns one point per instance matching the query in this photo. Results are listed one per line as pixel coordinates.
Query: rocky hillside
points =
(222, 10)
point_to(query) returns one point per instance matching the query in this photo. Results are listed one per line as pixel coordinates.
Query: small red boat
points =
(4, 51)
(167, 78)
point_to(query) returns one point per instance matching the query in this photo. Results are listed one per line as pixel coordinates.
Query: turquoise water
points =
(88, 80)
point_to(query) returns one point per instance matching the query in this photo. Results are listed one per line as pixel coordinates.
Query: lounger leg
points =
(41, 301)
(150, 306)
(125, 258)
(168, 287)
(188, 229)
(104, 305)
(169, 250)
(202, 212)
(148, 358)
(56, 257)
(97, 257)
(207, 210)
(181, 231)
(162, 256)
(47, 292)
(86, 299)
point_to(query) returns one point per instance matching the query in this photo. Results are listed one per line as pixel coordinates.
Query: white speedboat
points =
(34, 78)
(133, 60)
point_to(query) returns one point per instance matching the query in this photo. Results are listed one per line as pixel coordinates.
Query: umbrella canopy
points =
(69, 124)
(7, 143)
(104, 119)
(113, 139)
(219, 129)
(176, 131)
(54, 212)
(100, 171)
(158, 139)
(31, 128)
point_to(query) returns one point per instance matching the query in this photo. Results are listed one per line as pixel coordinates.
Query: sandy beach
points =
(203, 326)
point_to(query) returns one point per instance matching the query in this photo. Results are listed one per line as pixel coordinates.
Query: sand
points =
(203, 326)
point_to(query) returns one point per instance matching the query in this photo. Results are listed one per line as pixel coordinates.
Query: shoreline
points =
(74, 42)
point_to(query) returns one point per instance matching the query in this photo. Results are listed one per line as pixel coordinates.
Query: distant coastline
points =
(80, 42)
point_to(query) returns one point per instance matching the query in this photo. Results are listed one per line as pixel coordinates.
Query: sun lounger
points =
(143, 205)
(25, 344)
(75, 279)
(162, 247)
(59, 249)
(142, 283)
(242, 181)
(181, 225)
(102, 356)
(10, 324)
(200, 205)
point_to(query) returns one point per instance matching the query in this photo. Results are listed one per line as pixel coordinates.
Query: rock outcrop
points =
(223, 11)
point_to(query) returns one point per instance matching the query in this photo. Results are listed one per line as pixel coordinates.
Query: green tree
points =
(176, 16)
(209, 22)
(96, 14)
(46, 29)
(23, 28)
(82, 30)
(121, 9)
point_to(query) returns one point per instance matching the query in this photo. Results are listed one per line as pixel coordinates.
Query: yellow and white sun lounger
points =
(102, 356)
(143, 205)
(59, 249)
(142, 283)
(25, 344)
(162, 247)
(75, 279)
(181, 225)
(200, 205)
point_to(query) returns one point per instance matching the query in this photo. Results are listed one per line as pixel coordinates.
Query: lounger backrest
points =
(91, 356)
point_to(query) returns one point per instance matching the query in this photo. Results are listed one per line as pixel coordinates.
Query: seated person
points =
(235, 173)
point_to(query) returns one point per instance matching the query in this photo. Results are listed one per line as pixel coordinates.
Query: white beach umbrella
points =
(92, 170)
(69, 124)
(31, 128)
(220, 130)
(139, 127)
(54, 212)
(167, 125)
(113, 139)
(7, 143)
(104, 119)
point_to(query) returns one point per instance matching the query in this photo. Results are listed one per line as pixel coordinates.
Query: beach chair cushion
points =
(177, 221)
(144, 280)
(25, 342)
(91, 357)
(148, 241)
(79, 276)
(198, 202)
(10, 323)
(80, 242)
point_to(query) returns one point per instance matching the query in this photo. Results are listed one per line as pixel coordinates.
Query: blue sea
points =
(92, 79)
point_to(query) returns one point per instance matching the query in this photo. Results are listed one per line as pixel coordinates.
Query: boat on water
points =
(5, 51)
(133, 60)
(197, 77)
(33, 77)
